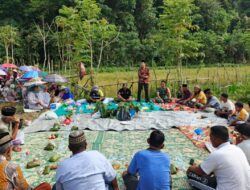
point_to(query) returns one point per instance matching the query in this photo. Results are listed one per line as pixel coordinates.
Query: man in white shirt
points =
(88, 170)
(228, 164)
(244, 130)
(227, 107)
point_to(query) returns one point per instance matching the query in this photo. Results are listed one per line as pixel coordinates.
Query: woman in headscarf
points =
(45, 97)
(66, 94)
(9, 92)
(34, 101)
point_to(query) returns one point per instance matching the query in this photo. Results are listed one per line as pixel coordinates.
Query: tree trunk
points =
(45, 53)
(91, 55)
(49, 62)
(7, 53)
(179, 66)
(100, 56)
(12, 53)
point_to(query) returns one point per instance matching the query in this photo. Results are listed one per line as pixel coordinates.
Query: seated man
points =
(212, 101)
(152, 165)
(96, 95)
(244, 144)
(227, 107)
(9, 122)
(11, 176)
(241, 115)
(124, 94)
(185, 94)
(33, 100)
(228, 163)
(88, 170)
(198, 99)
(163, 94)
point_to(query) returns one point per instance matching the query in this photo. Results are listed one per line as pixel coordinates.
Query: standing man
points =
(143, 75)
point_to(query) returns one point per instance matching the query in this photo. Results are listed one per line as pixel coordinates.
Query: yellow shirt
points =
(201, 98)
(101, 93)
(242, 115)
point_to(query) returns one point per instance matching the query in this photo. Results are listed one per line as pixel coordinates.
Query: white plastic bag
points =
(49, 115)
(96, 115)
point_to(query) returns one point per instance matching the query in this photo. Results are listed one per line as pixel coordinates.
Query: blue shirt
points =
(153, 168)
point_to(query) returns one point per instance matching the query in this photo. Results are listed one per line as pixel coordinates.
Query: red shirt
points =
(143, 76)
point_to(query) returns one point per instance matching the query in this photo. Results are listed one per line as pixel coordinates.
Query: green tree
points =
(145, 17)
(176, 26)
(85, 22)
(9, 37)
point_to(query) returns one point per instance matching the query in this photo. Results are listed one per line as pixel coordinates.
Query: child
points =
(241, 114)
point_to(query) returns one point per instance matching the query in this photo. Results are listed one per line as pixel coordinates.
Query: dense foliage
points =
(58, 34)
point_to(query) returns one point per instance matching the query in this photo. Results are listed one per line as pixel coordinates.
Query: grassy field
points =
(220, 79)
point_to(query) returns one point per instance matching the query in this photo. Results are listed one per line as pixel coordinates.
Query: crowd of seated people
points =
(225, 168)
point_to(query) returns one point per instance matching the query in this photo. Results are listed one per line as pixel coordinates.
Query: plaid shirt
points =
(143, 75)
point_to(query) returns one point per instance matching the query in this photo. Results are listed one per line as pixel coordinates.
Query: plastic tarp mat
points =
(143, 121)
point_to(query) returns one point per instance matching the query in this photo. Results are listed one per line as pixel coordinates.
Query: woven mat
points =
(199, 141)
(118, 147)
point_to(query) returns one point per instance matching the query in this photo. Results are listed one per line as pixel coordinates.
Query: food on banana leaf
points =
(116, 166)
(49, 147)
(203, 117)
(46, 170)
(53, 167)
(173, 169)
(182, 108)
(54, 158)
(74, 128)
(33, 164)
(53, 136)
(56, 127)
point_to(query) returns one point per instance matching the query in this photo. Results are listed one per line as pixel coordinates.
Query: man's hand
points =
(125, 173)
(196, 169)
(115, 184)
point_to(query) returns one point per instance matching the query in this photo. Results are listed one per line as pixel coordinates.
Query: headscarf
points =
(67, 94)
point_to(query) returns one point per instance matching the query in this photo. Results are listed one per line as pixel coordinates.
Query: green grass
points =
(233, 80)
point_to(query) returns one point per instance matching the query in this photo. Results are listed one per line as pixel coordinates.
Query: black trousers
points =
(202, 182)
(140, 87)
(130, 182)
